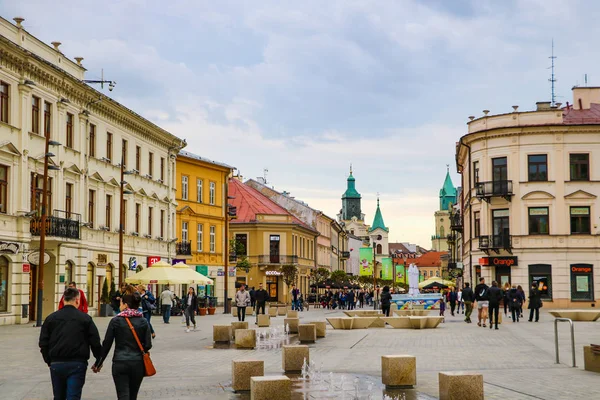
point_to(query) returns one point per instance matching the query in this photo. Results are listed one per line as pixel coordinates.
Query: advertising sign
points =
(132, 263)
(428, 301)
(400, 274)
(366, 261)
(153, 260)
(499, 261)
(386, 269)
(34, 258)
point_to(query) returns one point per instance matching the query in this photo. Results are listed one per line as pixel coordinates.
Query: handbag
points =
(149, 369)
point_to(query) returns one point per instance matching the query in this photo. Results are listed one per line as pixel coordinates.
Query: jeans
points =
(452, 307)
(260, 305)
(148, 315)
(189, 314)
(469, 309)
(166, 312)
(68, 379)
(494, 308)
(386, 309)
(515, 314)
(537, 314)
(128, 376)
(241, 313)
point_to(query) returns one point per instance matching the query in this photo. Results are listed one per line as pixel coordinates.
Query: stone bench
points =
(263, 320)
(591, 360)
(362, 322)
(418, 322)
(272, 311)
(282, 311)
(292, 324)
(398, 322)
(245, 338)
(460, 385)
(307, 333)
(238, 325)
(222, 333)
(270, 387)
(242, 371)
(292, 357)
(393, 307)
(577, 315)
(292, 314)
(411, 313)
(399, 371)
(321, 328)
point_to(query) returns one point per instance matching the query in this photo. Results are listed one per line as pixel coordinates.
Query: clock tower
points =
(351, 201)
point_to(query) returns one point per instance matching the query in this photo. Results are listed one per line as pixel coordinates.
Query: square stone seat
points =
(378, 322)
(292, 357)
(243, 370)
(321, 328)
(307, 333)
(433, 322)
(222, 333)
(399, 371)
(347, 323)
(270, 387)
(591, 361)
(460, 385)
(293, 324)
(418, 322)
(336, 322)
(281, 311)
(362, 322)
(292, 314)
(398, 322)
(263, 320)
(245, 338)
(577, 315)
(238, 325)
(272, 311)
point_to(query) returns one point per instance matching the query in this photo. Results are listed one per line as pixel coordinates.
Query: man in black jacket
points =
(482, 297)
(65, 340)
(468, 297)
(260, 296)
(495, 295)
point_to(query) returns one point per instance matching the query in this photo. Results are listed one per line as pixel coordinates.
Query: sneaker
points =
(484, 326)
(194, 328)
(187, 330)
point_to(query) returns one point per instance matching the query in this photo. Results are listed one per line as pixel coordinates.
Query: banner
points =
(386, 269)
(366, 261)
(421, 278)
(400, 274)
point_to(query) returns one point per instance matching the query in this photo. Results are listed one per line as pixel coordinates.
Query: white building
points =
(42, 93)
(530, 203)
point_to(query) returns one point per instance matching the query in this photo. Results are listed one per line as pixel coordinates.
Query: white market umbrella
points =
(160, 272)
(190, 276)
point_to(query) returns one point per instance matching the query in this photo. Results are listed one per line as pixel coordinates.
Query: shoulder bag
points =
(149, 369)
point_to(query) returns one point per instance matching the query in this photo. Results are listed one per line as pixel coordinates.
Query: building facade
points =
(201, 218)
(530, 206)
(42, 95)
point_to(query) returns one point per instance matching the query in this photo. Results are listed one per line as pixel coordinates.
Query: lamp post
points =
(373, 239)
(122, 216)
(42, 252)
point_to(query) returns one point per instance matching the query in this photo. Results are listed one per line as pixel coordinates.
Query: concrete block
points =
(398, 322)
(336, 323)
(293, 324)
(362, 322)
(242, 371)
(292, 357)
(238, 325)
(591, 361)
(292, 314)
(433, 322)
(272, 311)
(245, 338)
(347, 323)
(393, 307)
(263, 320)
(307, 333)
(377, 323)
(460, 386)
(350, 313)
(418, 322)
(321, 328)
(281, 311)
(270, 387)
(222, 333)
(399, 371)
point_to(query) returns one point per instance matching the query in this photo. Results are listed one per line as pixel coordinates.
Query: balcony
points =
(273, 259)
(487, 190)
(60, 224)
(451, 238)
(456, 222)
(184, 248)
(495, 243)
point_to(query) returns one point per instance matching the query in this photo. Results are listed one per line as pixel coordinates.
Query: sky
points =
(304, 89)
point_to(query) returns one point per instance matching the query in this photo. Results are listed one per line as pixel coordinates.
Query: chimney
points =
(543, 105)
(18, 20)
(584, 97)
(56, 45)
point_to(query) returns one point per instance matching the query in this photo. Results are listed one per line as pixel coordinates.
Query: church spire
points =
(447, 192)
(378, 220)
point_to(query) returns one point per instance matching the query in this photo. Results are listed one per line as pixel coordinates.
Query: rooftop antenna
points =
(552, 79)
(265, 171)
(585, 79)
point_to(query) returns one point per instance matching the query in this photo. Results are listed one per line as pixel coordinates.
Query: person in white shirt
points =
(461, 303)
(166, 301)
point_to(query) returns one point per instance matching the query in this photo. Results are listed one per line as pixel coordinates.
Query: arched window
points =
(441, 231)
(4, 284)
(69, 268)
(379, 249)
(425, 274)
(90, 284)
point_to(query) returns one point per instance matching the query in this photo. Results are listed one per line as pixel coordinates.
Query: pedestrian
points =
(242, 300)
(535, 302)
(468, 297)
(482, 297)
(522, 294)
(166, 301)
(453, 298)
(115, 300)
(65, 341)
(350, 298)
(261, 297)
(443, 304)
(460, 303)
(385, 298)
(252, 297)
(294, 292)
(505, 298)
(83, 304)
(190, 303)
(361, 298)
(495, 296)
(125, 330)
(148, 304)
(515, 303)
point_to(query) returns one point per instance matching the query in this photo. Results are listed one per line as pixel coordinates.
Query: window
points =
(35, 114)
(138, 158)
(4, 101)
(477, 224)
(69, 130)
(184, 232)
(162, 223)
(37, 188)
(213, 241)
(241, 240)
(379, 249)
(212, 194)
(138, 211)
(68, 200)
(89, 293)
(151, 164)
(580, 220)
(537, 167)
(538, 221)
(150, 212)
(162, 169)
(108, 220)
(124, 152)
(47, 118)
(476, 171)
(541, 275)
(4, 283)
(580, 167)
(109, 145)
(3, 188)
(437, 274)
(199, 233)
(184, 187)
(582, 282)
(92, 149)
(501, 228)
(199, 190)
(91, 207)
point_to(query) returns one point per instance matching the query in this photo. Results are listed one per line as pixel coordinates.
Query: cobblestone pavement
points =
(517, 361)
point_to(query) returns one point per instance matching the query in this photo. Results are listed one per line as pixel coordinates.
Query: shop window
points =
(580, 220)
(541, 275)
(68, 272)
(3, 283)
(582, 282)
(538, 221)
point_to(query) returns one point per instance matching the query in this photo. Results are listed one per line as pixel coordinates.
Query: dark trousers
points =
(386, 309)
(452, 307)
(148, 316)
(189, 314)
(252, 303)
(505, 306)
(515, 314)
(260, 305)
(166, 312)
(68, 379)
(494, 308)
(241, 313)
(128, 376)
(537, 314)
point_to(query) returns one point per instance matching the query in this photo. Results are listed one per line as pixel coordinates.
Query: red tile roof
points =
(431, 259)
(582, 117)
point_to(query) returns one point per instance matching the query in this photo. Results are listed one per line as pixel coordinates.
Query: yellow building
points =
(268, 237)
(201, 217)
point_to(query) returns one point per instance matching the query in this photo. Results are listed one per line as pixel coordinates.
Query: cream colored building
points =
(530, 202)
(42, 93)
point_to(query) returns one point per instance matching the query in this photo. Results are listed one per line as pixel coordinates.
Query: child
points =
(443, 305)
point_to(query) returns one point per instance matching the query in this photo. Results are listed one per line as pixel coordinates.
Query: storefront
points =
(273, 278)
(541, 275)
(582, 282)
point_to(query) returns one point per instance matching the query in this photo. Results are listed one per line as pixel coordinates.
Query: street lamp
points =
(373, 239)
(42, 252)
(122, 216)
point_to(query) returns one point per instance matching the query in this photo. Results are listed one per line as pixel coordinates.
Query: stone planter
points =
(202, 311)
(106, 310)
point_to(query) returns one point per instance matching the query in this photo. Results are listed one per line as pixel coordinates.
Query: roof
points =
(431, 259)
(187, 154)
(378, 220)
(448, 189)
(250, 202)
(351, 192)
(399, 248)
(582, 117)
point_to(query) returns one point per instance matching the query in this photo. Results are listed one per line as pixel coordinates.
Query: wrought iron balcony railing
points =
(495, 243)
(277, 259)
(184, 248)
(456, 222)
(60, 224)
(487, 190)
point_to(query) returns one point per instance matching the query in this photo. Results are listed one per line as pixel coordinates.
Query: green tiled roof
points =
(351, 192)
(378, 220)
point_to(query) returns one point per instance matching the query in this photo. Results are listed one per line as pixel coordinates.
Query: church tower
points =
(382, 249)
(439, 241)
(351, 201)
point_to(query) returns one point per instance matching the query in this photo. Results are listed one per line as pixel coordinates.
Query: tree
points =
(237, 251)
(338, 276)
(289, 273)
(105, 298)
(319, 275)
(113, 287)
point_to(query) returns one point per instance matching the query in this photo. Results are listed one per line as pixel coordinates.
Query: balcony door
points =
(501, 229)
(499, 175)
(274, 249)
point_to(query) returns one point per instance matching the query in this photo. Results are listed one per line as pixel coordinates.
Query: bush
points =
(105, 298)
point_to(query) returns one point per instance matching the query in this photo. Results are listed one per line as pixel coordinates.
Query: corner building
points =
(531, 203)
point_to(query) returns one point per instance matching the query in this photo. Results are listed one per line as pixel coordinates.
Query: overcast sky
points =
(304, 88)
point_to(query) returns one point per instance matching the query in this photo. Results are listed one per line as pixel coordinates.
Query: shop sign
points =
(152, 260)
(9, 247)
(499, 261)
(26, 268)
(177, 261)
(34, 258)
(580, 210)
(277, 273)
(102, 259)
(132, 264)
(231, 271)
(582, 270)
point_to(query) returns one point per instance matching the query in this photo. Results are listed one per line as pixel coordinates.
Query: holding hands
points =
(96, 368)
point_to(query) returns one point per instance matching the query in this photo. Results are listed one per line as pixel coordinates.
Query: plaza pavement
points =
(517, 361)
